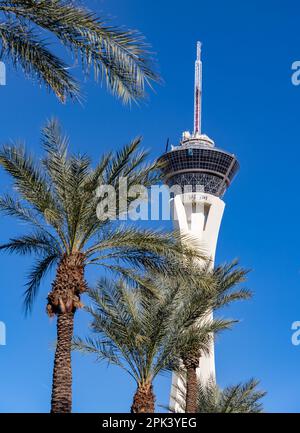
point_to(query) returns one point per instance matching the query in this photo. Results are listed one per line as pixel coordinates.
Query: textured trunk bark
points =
(191, 390)
(143, 400)
(63, 301)
(61, 401)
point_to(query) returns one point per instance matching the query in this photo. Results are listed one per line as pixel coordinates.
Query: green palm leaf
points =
(21, 45)
(35, 276)
(118, 56)
(240, 398)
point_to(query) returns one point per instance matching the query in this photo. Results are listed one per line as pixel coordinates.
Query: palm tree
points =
(120, 56)
(227, 277)
(139, 328)
(240, 398)
(57, 199)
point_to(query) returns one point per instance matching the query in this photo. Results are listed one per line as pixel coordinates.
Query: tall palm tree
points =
(240, 398)
(56, 198)
(227, 278)
(139, 328)
(117, 55)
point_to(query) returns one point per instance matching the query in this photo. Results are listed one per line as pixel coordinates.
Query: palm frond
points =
(13, 207)
(228, 277)
(29, 180)
(238, 295)
(126, 164)
(35, 276)
(120, 164)
(22, 47)
(101, 351)
(119, 56)
(166, 245)
(240, 398)
(200, 335)
(36, 243)
(68, 175)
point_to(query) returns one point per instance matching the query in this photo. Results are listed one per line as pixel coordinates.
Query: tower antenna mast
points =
(198, 91)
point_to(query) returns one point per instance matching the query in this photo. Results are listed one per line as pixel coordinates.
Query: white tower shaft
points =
(198, 92)
(198, 215)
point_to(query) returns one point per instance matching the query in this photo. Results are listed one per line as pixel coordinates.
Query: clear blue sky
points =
(250, 108)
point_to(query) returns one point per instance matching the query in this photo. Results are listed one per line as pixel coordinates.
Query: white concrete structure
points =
(198, 215)
(197, 166)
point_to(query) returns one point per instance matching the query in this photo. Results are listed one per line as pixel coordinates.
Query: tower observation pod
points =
(199, 174)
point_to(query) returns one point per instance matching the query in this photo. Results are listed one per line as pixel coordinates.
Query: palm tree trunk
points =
(191, 390)
(61, 401)
(144, 399)
(63, 301)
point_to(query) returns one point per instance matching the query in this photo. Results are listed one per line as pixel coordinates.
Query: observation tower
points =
(203, 172)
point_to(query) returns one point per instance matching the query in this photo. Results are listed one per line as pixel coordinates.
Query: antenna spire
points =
(198, 91)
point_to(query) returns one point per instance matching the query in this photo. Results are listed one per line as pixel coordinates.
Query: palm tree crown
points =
(222, 291)
(143, 329)
(120, 56)
(240, 398)
(57, 199)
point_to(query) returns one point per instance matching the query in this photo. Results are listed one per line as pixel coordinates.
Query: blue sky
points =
(251, 108)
